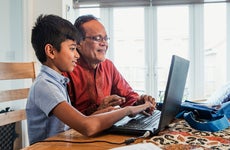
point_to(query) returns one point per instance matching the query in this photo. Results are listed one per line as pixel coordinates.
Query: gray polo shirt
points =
(47, 91)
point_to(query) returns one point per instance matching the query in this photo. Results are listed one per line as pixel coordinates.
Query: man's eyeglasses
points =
(98, 38)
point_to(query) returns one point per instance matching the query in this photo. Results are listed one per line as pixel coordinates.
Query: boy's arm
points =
(90, 125)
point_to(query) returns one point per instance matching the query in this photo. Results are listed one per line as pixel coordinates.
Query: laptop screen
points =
(174, 90)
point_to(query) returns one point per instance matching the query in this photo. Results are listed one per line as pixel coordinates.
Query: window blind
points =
(132, 3)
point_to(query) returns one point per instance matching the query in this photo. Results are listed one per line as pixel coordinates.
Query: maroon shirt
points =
(87, 87)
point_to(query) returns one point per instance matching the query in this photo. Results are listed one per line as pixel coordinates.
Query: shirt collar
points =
(54, 74)
(83, 64)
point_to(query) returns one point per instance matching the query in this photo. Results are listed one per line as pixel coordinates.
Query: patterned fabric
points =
(180, 136)
(7, 136)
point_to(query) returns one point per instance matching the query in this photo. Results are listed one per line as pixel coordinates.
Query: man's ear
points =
(49, 50)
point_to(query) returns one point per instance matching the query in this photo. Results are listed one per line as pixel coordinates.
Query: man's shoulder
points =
(107, 62)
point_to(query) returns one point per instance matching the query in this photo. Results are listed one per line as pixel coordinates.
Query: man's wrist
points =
(91, 109)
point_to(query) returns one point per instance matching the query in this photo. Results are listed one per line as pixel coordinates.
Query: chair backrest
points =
(11, 72)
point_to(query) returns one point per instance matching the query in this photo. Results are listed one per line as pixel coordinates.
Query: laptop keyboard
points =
(142, 121)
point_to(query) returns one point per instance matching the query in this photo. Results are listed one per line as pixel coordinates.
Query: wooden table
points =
(179, 135)
(74, 136)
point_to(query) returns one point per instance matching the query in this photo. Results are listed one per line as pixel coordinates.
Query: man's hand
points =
(112, 100)
(146, 98)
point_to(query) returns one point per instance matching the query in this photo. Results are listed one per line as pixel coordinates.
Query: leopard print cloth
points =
(180, 136)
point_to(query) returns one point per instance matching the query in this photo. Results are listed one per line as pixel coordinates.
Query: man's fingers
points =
(116, 102)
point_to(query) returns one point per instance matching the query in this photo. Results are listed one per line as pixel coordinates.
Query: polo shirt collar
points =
(54, 74)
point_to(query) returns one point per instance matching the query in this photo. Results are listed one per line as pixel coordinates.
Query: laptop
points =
(160, 119)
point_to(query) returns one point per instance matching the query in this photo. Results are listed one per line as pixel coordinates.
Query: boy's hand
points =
(146, 98)
(140, 108)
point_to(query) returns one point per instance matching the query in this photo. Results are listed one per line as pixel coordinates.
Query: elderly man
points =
(96, 85)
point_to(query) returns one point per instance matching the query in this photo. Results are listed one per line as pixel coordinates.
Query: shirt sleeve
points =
(47, 96)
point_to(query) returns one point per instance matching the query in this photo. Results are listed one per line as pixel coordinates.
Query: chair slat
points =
(16, 71)
(10, 95)
(12, 116)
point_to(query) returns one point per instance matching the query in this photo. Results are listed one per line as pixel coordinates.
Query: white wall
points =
(5, 27)
(11, 33)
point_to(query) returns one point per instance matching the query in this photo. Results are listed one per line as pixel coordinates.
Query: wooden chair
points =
(10, 73)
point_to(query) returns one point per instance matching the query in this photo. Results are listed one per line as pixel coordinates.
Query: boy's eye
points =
(73, 48)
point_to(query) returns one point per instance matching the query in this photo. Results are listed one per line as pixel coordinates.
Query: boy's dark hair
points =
(51, 29)
(81, 20)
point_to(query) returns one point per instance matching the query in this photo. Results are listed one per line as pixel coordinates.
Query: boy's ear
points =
(49, 50)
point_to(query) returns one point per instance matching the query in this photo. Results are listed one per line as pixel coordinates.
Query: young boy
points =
(48, 107)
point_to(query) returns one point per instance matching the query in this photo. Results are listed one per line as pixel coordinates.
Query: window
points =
(129, 48)
(94, 11)
(173, 38)
(214, 47)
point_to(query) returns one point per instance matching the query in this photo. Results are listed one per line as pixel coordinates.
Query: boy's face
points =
(66, 59)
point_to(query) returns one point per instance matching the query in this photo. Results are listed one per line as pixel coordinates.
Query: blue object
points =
(205, 118)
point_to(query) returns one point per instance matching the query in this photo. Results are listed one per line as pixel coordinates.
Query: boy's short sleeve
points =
(48, 96)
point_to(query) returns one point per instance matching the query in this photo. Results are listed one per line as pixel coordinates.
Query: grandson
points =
(48, 107)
